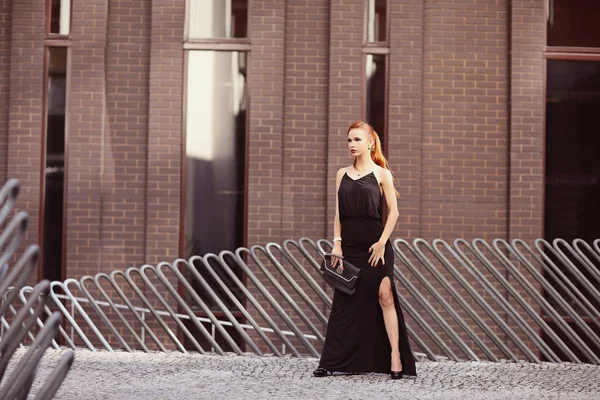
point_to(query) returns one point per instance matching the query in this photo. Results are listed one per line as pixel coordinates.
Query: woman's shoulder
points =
(381, 172)
(343, 170)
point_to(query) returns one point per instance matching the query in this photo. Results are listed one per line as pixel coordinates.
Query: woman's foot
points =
(396, 362)
(320, 372)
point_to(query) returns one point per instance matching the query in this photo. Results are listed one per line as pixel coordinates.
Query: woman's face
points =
(358, 142)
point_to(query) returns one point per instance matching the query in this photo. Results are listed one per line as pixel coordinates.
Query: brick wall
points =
(5, 35)
(345, 88)
(164, 131)
(265, 84)
(24, 110)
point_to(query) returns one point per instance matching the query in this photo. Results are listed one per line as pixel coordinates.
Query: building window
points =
(59, 21)
(572, 168)
(214, 160)
(54, 156)
(217, 19)
(215, 151)
(375, 90)
(377, 20)
(376, 50)
(573, 23)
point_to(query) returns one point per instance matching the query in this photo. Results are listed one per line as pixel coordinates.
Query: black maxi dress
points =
(356, 339)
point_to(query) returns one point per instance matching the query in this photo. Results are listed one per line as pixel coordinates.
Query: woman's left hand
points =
(377, 251)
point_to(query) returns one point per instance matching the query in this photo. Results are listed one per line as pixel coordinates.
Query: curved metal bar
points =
(419, 321)
(141, 320)
(101, 313)
(14, 336)
(579, 254)
(166, 305)
(286, 297)
(233, 298)
(198, 301)
(478, 299)
(427, 306)
(18, 274)
(204, 261)
(558, 272)
(533, 335)
(12, 236)
(551, 311)
(84, 315)
(498, 298)
(39, 323)
(416, 294)
(282, 314)
(255, 303)
(114, 308)
(446, 285)
(67, 315)
(56, 377)
(9, 193)
(22, 372)
(557, 276)
(591, 289)
(291, 280)
(302, 271)
(213, 296)
(540, 301)
(142, 297)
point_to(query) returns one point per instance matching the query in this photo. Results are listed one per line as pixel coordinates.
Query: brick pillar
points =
(527, 135)
(266, 122)
(345, 88)
(305, 128)
(405, 94)
(527, 120)
(24, 112)
(465, 119)
(84, 152)
(165, 131)
(5, 46)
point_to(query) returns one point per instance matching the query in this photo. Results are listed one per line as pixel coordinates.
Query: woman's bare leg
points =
(390, 318)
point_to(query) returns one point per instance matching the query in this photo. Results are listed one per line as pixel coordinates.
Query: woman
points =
(366, 331)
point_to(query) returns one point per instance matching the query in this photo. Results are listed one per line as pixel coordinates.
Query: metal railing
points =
(18, 383)
(465, 300)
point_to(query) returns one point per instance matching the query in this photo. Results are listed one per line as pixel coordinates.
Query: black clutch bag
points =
(344, 281)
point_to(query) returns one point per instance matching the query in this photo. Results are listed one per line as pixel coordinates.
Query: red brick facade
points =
(465, 120)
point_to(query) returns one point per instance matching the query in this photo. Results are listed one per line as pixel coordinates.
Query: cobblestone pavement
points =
(121, 375)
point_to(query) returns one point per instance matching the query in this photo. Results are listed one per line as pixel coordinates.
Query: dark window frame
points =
(573, 53)
(48, 21)
(377, 48)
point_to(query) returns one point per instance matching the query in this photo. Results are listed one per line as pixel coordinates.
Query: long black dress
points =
(356, 339)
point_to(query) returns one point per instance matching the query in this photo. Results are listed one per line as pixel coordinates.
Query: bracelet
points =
(337, 239)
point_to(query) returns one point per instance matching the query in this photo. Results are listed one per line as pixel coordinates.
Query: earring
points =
(369, 148)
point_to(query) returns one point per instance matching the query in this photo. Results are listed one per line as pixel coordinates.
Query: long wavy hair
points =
(376, 153)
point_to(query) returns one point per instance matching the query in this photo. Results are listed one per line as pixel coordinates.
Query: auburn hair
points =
(376, 153)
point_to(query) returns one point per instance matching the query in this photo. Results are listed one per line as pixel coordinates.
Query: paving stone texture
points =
(121, 375)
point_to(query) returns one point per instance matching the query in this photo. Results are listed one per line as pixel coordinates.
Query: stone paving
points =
(121, 375)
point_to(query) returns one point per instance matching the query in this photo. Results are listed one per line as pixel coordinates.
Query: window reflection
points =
(217, 19)
(376, 90)
(376, 20)
(572, 148)
(215, 151)
(215, 160)
(573, 23)
(60, 16)
(55, 162)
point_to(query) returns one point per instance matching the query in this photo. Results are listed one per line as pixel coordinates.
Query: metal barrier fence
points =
(472, 300)
(18, 383)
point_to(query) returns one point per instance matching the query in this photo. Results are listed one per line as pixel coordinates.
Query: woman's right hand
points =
(337, 250)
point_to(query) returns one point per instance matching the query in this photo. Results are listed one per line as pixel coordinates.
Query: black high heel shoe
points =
(397, 374)
(320, 372)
